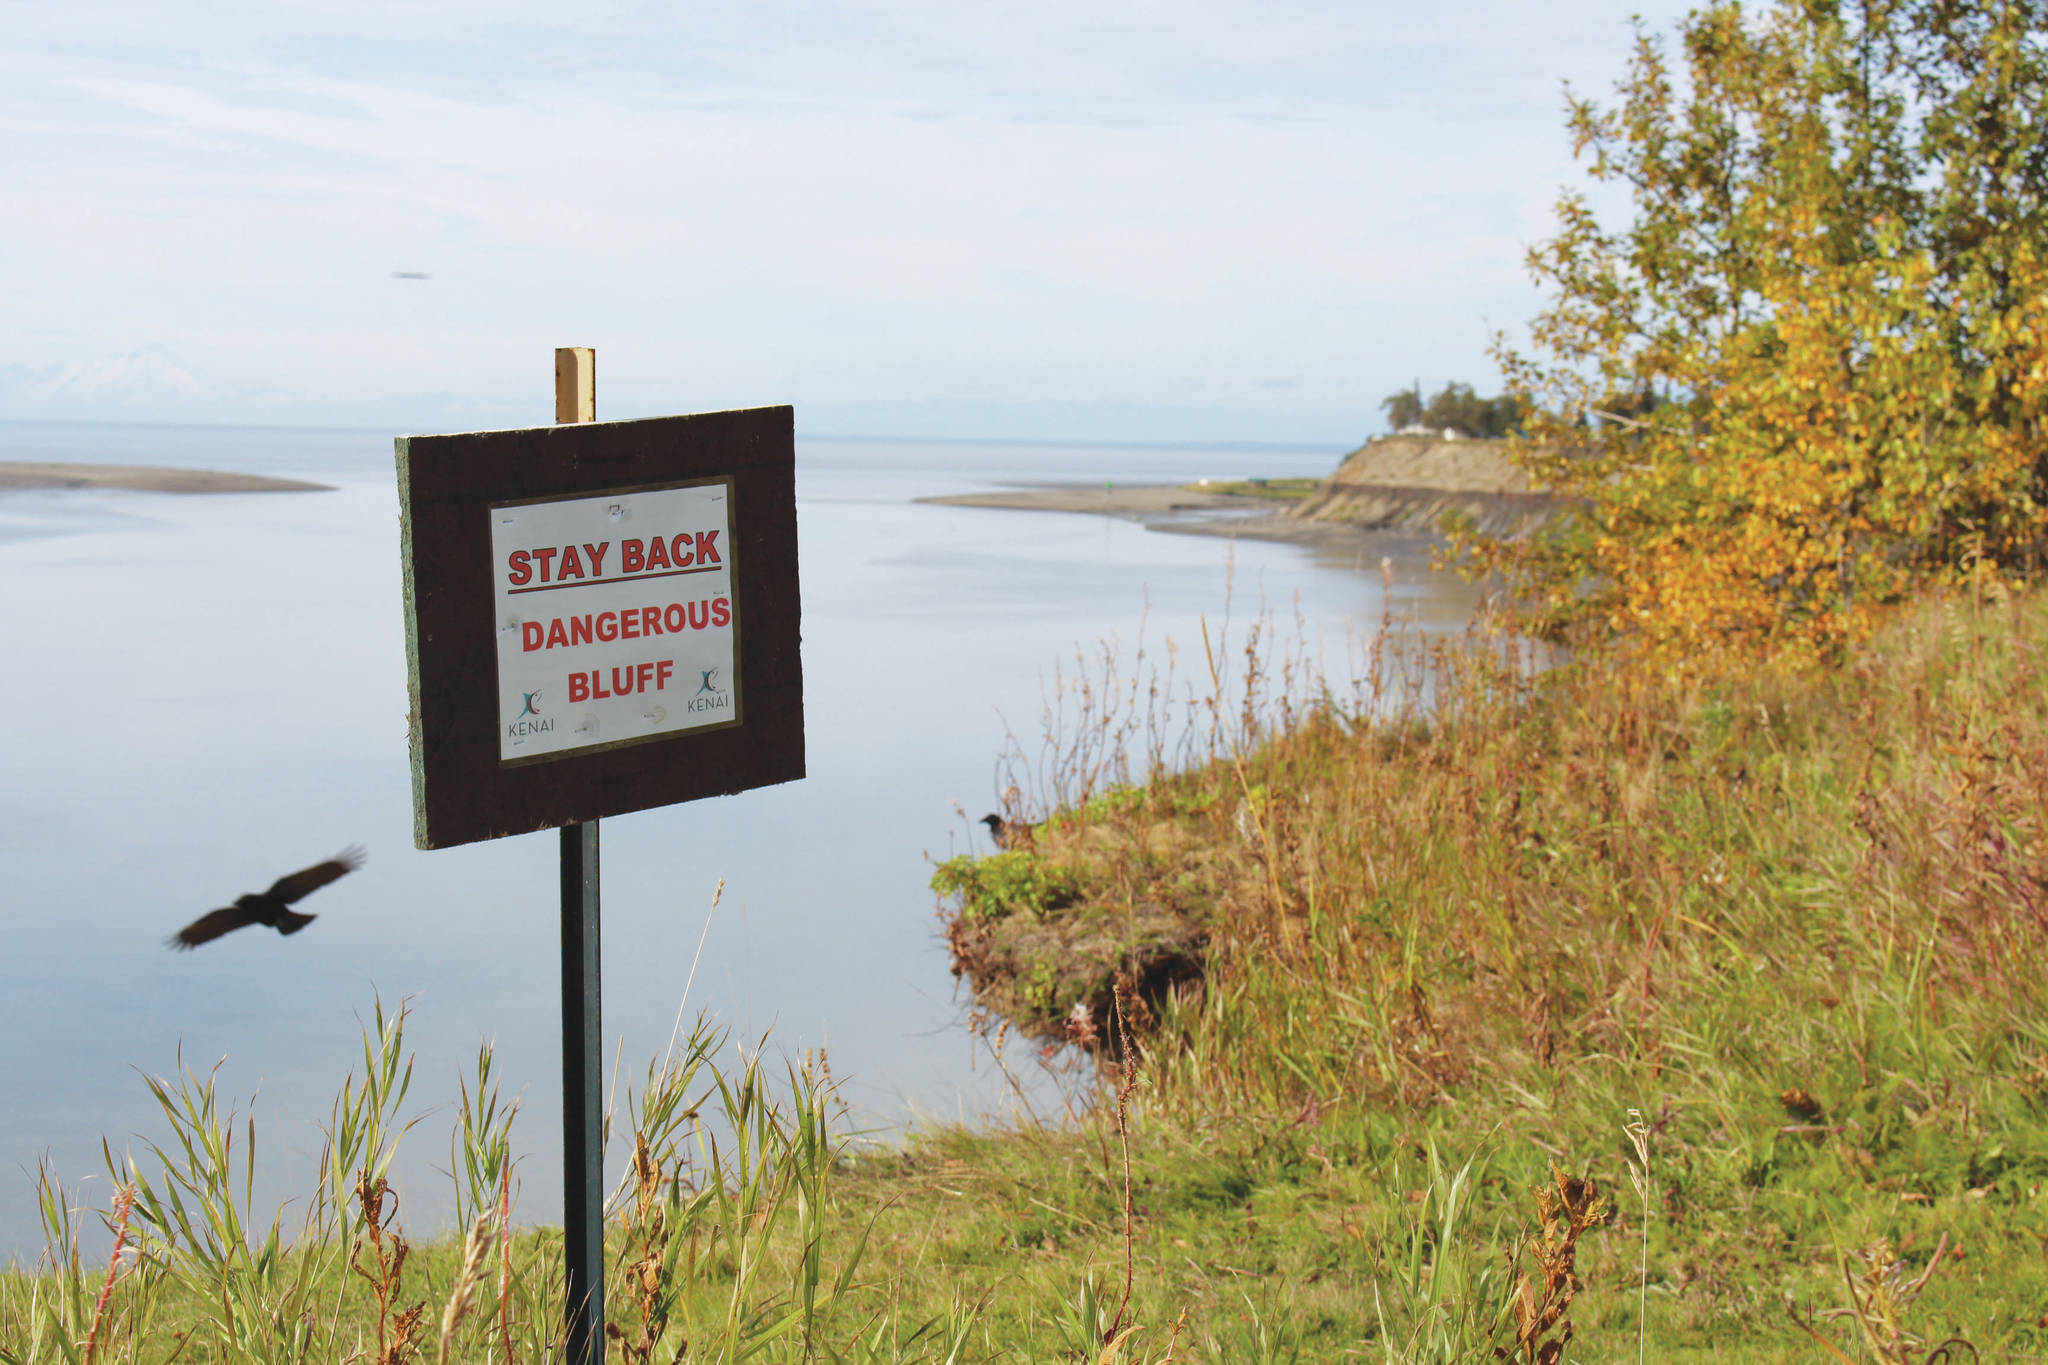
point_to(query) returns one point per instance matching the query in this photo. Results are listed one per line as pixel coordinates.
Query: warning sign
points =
(601, 617)
(615, 618)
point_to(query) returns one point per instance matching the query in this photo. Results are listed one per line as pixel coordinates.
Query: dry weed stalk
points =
(1173, 1338)
(646, 1276)
(476, 1245)
(1126, 1083)
(1879, 1298)
(1638, 1134)
(397, 1338)
(1257, 812)
(1567, 1208)
(505, 1263)
(124, 1205)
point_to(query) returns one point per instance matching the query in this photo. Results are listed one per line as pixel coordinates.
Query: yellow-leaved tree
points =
(1811, 370)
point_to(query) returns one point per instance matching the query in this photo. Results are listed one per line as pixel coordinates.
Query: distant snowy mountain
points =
(152, 384)
(149, 383)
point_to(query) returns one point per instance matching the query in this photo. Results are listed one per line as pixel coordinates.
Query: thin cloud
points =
(853, 204)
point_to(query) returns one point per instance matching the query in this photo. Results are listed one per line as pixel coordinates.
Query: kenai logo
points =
(521, 727)
(710, 696)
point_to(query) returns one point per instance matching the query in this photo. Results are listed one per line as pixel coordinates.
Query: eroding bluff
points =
(1410, 483)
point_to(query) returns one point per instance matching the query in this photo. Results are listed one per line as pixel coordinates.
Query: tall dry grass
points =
(1796, 918)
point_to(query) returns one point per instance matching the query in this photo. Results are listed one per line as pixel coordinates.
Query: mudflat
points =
(144, 478)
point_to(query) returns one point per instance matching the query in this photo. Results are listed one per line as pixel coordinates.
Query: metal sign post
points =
(574, 603)
(582, 1007)
(582, 1098)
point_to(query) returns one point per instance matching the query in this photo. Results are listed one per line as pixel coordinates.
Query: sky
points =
(1047, 220)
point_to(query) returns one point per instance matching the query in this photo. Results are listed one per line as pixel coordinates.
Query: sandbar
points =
(144, 478)
(1132, 502)
(1163, 507)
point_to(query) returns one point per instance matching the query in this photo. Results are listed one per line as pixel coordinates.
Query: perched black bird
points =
(1009, 835)
(269, 908)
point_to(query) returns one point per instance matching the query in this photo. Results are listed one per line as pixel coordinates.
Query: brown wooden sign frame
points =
(463, 790)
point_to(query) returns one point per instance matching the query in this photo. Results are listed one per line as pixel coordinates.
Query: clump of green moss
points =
(1006, 884)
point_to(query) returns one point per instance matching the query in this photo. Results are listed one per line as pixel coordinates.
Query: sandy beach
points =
(143, 478)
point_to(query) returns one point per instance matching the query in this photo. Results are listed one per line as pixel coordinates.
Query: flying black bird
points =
(1009, 834)
(269, 908)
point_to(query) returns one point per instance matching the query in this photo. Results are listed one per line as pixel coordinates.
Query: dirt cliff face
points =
(1472, 466)
(1409, 483)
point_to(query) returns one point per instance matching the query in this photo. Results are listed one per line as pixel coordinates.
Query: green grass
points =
(1793, 920)
(1278, 490)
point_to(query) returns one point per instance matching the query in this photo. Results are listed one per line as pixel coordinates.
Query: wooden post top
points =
(575, 384)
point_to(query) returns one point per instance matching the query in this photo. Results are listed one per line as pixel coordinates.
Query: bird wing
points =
(307, 880)
(211, 926)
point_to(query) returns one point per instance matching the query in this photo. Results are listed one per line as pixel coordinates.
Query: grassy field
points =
(1509, 1011)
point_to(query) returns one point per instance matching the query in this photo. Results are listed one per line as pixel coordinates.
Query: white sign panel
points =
(615, 618)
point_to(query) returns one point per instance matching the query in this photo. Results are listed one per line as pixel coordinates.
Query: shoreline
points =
(46, 474)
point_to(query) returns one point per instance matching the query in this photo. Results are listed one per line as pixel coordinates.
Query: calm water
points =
(202, 693)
